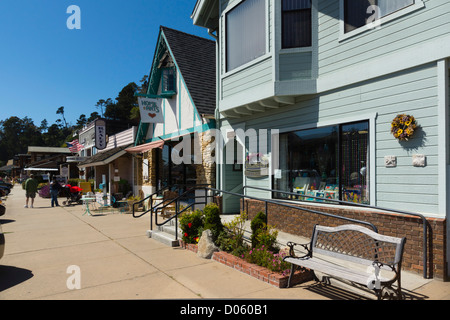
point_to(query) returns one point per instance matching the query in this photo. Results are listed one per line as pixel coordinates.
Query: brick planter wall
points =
(301, 223)
(260, 273)
(189, 246)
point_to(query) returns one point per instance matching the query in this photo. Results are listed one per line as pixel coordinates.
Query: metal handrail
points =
(177, 212)
(160, 191)
(243, 196)
(145, 199)
(284, 204)
(424, 220)
(294, 207)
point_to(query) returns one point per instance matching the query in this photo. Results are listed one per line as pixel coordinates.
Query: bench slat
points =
(354, 227)
(374, 247)
(332, 269)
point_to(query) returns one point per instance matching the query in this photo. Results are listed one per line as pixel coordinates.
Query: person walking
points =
(54, 190)
(31, 186)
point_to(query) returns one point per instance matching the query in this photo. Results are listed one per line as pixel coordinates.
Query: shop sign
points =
(150, 109)
(100, 134)
(75, 159)
(256, 165)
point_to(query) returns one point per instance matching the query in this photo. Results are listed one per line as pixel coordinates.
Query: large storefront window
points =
(325, 163)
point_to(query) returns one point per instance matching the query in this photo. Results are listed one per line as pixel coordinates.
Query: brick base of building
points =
(301, 223)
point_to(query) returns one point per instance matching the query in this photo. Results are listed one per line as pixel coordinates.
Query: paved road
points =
(50, 251)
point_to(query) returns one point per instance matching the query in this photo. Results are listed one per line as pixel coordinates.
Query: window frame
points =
(418, 4)
(371, 119)
(311, 26)
(174, 80)
(225, 72)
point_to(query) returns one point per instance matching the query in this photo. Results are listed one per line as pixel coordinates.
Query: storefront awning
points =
(146, 147)
(41, 169)
(155, 144)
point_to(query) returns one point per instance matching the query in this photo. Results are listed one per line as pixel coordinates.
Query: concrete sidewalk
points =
(116, 260)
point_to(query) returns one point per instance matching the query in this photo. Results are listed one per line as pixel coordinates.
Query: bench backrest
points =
(357, 244)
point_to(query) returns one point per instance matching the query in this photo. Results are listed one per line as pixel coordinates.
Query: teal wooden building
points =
(324, 82)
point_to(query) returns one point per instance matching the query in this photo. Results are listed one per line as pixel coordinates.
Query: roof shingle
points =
(196, 59)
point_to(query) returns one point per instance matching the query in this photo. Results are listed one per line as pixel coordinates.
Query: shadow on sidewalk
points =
(11, 276)
(339, 293)
(5, 221)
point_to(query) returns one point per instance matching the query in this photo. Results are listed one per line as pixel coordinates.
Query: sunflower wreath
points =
(403, 127)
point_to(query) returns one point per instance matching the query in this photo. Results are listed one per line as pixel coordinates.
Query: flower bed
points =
(261, 259)
(274, 278)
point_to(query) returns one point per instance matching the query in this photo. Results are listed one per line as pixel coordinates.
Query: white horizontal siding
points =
(121, 139)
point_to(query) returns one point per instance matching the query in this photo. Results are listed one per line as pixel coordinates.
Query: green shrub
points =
(257, 225)
(231, 239)
(212, 220)
(267, 237)
(74, 181)
(191, 225)
(263, 235)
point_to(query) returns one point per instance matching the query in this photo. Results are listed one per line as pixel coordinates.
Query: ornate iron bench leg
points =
(293, 269)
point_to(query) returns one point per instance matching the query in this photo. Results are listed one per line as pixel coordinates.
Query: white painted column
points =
(443, 143)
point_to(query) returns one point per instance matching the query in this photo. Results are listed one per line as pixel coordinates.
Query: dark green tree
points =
(125, 102)
(82, 120)
(16, 135)
(101, 104)
(44, 126)
(61, 112)
(94, 115)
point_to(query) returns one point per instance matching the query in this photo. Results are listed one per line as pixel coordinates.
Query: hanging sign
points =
(100, 134)
(151, 111)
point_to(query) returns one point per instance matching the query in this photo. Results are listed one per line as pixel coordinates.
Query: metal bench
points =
(354, 254)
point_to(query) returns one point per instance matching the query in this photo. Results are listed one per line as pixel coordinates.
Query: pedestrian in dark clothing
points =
(54, 190)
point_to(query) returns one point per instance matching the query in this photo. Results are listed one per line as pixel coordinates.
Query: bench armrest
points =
(291, 246)
(393, 266)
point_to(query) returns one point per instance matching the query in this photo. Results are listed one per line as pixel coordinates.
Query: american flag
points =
(74, 146)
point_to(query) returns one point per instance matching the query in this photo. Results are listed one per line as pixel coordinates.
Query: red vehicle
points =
(72, 193)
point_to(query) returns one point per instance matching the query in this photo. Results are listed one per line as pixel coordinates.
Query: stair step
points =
(163, 237)
(170, 229)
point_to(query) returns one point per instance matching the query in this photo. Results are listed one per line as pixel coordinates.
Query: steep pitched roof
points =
(196, 59)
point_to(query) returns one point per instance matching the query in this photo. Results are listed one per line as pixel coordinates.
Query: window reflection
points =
(324, 163)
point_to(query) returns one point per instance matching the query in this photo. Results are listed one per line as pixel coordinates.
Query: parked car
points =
(4, 191)
(2, 242)
(6, 184)
(2, 236)
(5, 188)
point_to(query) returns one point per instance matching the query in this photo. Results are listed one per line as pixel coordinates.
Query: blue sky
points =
(44, 65)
